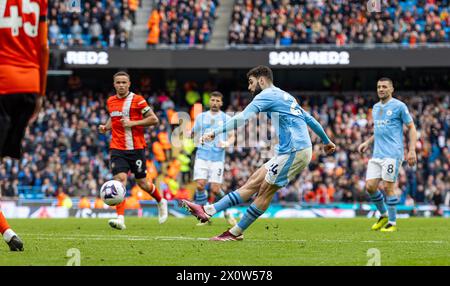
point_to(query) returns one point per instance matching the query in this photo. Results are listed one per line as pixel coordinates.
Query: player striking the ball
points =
(129, 114)
(389, 116)
(293, 153)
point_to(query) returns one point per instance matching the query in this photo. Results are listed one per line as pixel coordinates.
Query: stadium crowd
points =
(101, 24)
(64, 153)
(342, 22)
(109, 23)
(182, 22)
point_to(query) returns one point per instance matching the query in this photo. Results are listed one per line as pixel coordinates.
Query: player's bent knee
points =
(143, 184)
(121, 177)
(371, 186)
(215, 188)
(201, 185)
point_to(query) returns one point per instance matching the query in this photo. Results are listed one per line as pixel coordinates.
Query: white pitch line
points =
(182, 238)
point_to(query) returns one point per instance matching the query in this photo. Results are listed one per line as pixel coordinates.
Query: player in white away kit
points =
(293, 153)
(210, 156)
(389, 116)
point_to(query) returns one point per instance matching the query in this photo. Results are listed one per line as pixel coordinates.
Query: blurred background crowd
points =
(110, 23)
(287, 22)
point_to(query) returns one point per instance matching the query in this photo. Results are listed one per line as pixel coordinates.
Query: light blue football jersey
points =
(291, 124)
(207, 122)
(388, 122)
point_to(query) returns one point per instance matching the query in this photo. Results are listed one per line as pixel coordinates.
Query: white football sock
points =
(8, 234)
(236, 230)
(210, 209)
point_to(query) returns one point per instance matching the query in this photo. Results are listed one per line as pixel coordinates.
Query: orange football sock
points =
(3, 223)
(120, 208)
(155, 193)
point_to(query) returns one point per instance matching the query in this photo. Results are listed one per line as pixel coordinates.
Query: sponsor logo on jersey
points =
(119, 113)
(382, 123)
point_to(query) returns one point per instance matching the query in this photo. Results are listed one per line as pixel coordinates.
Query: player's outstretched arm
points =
(412, 132)
(329, 147)
(316, 127)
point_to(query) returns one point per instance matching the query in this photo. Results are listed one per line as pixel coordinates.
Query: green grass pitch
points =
(419, 241)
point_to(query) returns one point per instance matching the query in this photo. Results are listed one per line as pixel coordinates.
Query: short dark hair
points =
(217, 94)
(121, 73)
(387, 79)
(259, 71)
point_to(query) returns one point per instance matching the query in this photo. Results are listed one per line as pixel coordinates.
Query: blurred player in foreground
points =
(210, 156)
(389, 116)
(24, 57)
(293, 153)
(129, 114)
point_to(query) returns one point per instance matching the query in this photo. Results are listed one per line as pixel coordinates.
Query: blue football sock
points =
(378, 199)
(201, 197)
(392, 202)
(219, 195)
(249, 217)
(232, 199)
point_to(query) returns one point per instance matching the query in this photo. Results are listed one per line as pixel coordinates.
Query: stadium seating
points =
(183, 23)
(101, 24)
(292, 22)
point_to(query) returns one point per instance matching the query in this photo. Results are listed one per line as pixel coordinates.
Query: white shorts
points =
(386, 169)
(208, 170)
(283, 168)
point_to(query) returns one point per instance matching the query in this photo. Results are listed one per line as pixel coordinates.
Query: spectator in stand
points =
(153, 28)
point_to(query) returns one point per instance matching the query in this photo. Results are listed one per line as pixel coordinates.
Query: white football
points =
(112, 192)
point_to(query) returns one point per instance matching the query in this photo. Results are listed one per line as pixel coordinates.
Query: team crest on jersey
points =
(389, 112)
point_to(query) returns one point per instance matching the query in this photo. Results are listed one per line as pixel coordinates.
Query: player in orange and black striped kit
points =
(129, 115)
(24, 57)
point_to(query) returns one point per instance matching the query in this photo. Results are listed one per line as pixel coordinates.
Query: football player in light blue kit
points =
(389, 116)
(210, 156)
(293, 153)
